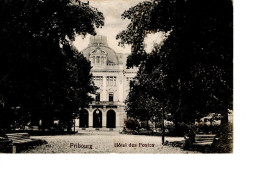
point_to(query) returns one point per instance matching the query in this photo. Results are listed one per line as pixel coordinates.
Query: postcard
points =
(116, 76)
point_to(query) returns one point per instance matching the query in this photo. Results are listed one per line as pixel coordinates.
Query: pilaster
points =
(104, 90)
(90, 119)
(104, 117)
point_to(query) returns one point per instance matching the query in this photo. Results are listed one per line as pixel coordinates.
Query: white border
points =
(246, 124)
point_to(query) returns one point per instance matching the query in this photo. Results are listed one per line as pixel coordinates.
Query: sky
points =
(114, 24)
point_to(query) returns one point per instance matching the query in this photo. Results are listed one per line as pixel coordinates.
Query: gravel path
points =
(105, 142)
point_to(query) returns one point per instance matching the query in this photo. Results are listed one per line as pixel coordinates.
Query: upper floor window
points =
(111, 97)
(98, 96)
(111, 81)
(98, 56)
(93, 59)
(129, 79)
(98, 80)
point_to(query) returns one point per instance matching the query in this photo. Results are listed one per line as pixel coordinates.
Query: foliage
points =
(208, 128)
(190, 74)
(131, 124)
(41, 75)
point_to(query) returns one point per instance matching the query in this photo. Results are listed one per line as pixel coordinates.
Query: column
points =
(121, 87)
(104, 94)
(104, 117)
(118, 118)
(90, 117)
(77, 122)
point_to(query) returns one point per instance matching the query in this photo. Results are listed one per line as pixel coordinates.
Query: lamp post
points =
(74, 127)
(74, 121)
(163, 129)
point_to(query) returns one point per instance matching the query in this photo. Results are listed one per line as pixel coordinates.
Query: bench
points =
(204, 139)
(22, 140)
(174, 143)
(201, 142)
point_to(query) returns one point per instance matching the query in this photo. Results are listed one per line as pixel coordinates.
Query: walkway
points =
(105, 142)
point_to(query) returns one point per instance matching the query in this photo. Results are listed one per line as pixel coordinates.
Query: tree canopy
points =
(191, 71)
(41, 75)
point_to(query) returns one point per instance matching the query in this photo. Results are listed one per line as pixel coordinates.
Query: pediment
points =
(98, 51)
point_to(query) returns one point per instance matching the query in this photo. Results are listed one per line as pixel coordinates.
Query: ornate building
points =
(112, 78)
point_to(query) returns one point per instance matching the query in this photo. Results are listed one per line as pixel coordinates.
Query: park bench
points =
(22, 140)
(201, 142)
(204, 139)
(174, 143)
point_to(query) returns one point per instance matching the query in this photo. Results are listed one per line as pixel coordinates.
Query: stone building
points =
(112, 78)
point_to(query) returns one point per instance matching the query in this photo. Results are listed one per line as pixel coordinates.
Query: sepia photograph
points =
(116, 76)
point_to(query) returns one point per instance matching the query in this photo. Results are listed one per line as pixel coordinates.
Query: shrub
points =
(181, 129)
(158, 124)
(208, 128)
(131, 124)
(143, 124)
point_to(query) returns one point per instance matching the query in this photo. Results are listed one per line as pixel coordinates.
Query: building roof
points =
(100, 42)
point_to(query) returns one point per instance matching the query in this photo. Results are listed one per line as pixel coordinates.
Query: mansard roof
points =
(100, 42)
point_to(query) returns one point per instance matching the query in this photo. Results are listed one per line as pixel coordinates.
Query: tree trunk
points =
(224, 119)
(147, 122)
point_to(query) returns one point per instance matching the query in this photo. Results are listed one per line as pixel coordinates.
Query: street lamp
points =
(163, 130)
(74, 121)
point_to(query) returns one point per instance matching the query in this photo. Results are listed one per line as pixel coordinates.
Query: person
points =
(189, 138)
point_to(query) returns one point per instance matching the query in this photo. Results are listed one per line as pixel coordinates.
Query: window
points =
(98, 59)
(98, 96)
(111, 97)
(98, 80)
(129, 79)
(111, 81)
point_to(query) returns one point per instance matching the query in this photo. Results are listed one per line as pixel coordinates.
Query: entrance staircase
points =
(92, 130)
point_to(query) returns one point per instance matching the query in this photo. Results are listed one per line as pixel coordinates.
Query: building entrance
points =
(111, 119)
(83, 119)
(97, 119)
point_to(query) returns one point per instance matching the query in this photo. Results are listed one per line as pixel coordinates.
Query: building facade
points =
(110, 75)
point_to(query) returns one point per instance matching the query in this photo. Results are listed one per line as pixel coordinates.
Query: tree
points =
(195, 60)
(41, 74)
(145, 97)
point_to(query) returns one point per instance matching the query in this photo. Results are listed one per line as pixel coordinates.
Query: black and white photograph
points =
(116, 76)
